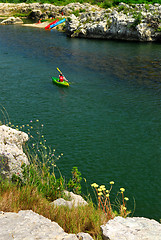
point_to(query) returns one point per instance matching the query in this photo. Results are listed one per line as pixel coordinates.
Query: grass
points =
(41, 182)
(14, 198)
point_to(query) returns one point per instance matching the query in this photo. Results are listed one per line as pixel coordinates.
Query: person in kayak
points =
(62, 78)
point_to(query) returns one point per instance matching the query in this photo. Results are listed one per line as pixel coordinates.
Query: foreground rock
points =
(135, 228)
(28, 225)
(11, 151)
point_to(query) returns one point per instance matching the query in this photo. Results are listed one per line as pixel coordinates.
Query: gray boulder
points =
(35, 14)
(84, 236)
(12, 20)
(75, 200)
(11, 151)
(136, 228)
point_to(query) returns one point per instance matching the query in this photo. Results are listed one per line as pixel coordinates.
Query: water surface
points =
(107, 123)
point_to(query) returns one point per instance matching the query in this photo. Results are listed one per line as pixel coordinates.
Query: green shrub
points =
(76, 13)
(137, 20)
(158, 29)
(74, 182)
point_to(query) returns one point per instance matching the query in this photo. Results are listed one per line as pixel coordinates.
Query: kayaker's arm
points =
(65, 78)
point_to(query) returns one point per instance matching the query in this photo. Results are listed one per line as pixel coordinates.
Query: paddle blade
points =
(59, 70)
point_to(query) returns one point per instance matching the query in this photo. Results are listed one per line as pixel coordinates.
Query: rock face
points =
(11, 151)
(135, 228)
(32, 226)
(125, 22)
(76, 200)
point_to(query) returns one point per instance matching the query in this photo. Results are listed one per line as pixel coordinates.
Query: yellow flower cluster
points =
(95, 185)
(122, 190)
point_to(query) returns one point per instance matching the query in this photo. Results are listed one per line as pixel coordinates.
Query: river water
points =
(107, 123)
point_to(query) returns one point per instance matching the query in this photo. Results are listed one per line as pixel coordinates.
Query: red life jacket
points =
(61, 79)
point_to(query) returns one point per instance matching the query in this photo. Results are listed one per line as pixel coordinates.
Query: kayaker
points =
(61, 78)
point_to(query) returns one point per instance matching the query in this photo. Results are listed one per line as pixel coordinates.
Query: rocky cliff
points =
(139, 22)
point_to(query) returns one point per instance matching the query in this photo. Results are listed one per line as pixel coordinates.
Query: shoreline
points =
(123, 22)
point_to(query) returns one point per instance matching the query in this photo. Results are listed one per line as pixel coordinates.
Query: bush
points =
(137, 21)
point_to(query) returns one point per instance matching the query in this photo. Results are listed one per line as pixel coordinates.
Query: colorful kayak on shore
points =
(57, 23)
(48, 26)
(56, 81)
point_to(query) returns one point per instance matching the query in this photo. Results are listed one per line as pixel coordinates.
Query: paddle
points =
(62, 74)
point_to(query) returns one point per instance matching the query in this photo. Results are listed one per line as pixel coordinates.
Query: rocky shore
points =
(28, 225)
(139, 22)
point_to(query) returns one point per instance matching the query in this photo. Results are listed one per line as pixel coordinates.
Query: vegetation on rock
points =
(103, 3)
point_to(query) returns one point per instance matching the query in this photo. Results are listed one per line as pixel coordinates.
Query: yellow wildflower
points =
(100, 193)
(107, 195)
(126, 198)
(112, 182)
(95, 185)
(122, 190)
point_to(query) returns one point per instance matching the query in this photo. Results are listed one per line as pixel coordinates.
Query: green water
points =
(107, 123)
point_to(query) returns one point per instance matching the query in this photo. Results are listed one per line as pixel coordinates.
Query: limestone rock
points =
(137, 22)
(28, 225)
(12, 20)
(84, 236)
(35, 14)
(11, 151)
(76, 200)
(136, 228)
(123, 22)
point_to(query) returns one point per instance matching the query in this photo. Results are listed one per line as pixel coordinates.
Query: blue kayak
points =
(57, 23)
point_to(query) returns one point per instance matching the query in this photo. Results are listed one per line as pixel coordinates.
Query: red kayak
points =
(47, 27)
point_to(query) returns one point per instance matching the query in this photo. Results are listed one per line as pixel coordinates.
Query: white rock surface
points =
(135, 228)
(11, 151)
(12, 20)
(76, 200)
(27, 225)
